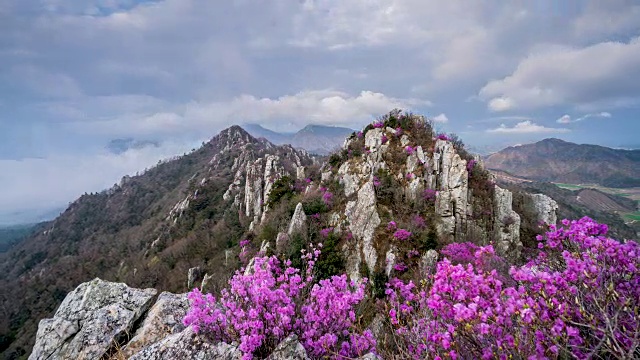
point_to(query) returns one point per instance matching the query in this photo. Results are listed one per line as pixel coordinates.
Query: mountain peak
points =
(557, 160)
(553, 141)
(234, 135)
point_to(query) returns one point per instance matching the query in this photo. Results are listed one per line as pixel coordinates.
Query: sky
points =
(76, 74)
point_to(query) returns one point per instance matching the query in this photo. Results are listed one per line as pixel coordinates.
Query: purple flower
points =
(471, 164)
(378, 124)
(326, 231)
(327, 198)
(429, 195)
(402, 234)
(400, 267)
(409, 150)
(384, 139)
(392, 225)
(419, 222)
(443, 137)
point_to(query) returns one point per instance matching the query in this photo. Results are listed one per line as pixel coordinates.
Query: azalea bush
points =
(272, 300)
(580, 298)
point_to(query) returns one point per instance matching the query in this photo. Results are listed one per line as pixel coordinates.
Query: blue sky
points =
(75, 74)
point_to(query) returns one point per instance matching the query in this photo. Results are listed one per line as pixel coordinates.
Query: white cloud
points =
(526, 127)
(566, 119)
(442, 118)
(327, 107)
(501, 104)
(604, 72)
(53, 181)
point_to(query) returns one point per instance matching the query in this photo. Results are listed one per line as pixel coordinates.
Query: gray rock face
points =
(298, 222)
(289, 349)
(390, 259)
(350, 181)
(428, 262)
(363, 218)
(253, 192)
(187, 345)
(546, 208)
(506, 225)
(163, 319)
(451, 178)
(89, 320)
(195, 273)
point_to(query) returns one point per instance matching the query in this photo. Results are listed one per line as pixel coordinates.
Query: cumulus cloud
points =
(287, 112)
(526, 127)
(442, 118)
(566, 119)
(601, 73)
(501, 104)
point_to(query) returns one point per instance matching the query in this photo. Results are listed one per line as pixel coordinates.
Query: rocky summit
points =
(194, 220)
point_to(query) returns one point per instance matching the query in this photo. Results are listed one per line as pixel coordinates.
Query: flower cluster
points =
(471, 164)
(429, 195)
(402, 234)
(392, 225)
(442, 137)
(579, 296)
(327, 197)
(384, 139)
(263, 306)
(418, 222)
(378, 125)
(409, 150)
(326, 231)
(400, 267)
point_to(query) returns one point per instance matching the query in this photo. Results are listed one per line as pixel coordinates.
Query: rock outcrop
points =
(289, 349)
(441, 170)
(546, 208)
(163, 319)
(187, 345)
(94, 320)
(90, 320)
(363, 218)
(506, 225)
(450, 178)
(298, 223)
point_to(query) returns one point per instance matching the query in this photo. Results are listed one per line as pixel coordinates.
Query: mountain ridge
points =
(317, 139)
(557, 160)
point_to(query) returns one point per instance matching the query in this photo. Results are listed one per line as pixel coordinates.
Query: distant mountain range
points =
(556, 160)
(316, 139)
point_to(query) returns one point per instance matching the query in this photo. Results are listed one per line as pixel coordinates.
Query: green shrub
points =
(378, 284)
(428, 240)
(331, 260)
(314, 205)
(282, 188)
